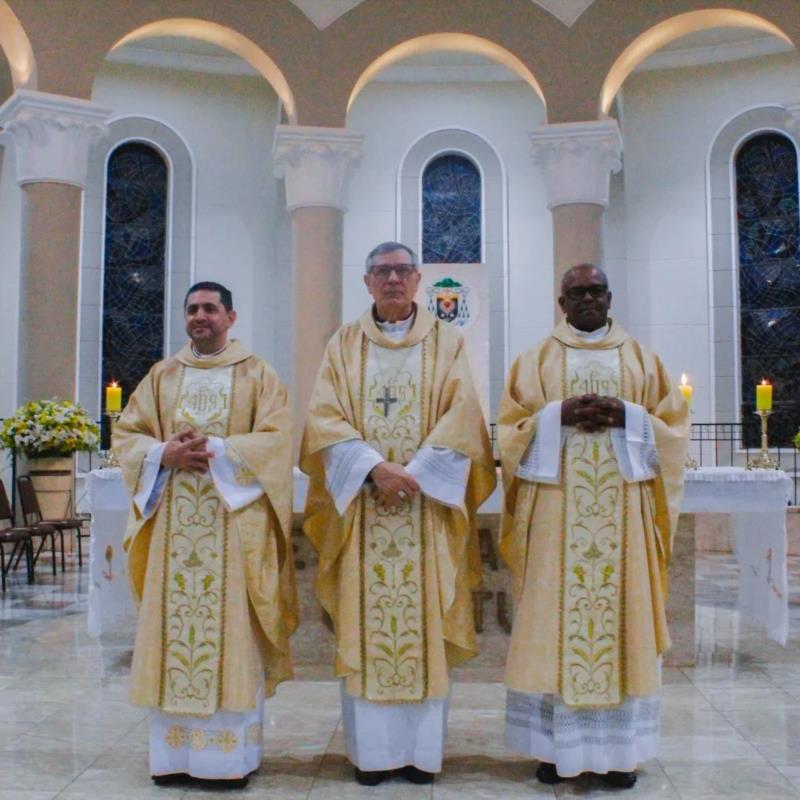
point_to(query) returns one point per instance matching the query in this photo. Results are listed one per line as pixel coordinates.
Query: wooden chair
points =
(8, 535)
(32, 516)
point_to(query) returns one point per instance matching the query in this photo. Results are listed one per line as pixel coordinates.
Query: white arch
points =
(15, 44)
(673, 28)
(221, 36)
(446, 42)
(723, 262)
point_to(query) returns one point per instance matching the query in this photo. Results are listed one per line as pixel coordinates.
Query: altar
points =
(755, 499)
(111, 603)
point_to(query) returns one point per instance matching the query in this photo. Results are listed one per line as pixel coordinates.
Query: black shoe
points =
(214, 784)
(370, 777)
(170, 779)
(620, 780)
(546, 773)
(418, 776)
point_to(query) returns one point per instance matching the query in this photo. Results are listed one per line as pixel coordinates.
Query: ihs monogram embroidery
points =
(594, 541)
(393, 635)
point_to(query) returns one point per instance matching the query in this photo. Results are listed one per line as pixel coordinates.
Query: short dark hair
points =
(390, 247)
(225, 296)
(572, 270)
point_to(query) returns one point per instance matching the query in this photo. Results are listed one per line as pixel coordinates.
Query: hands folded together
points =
(392, 485)
(592, 412)
(187, 450)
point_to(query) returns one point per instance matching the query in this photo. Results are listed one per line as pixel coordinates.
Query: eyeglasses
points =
(383, 271)
(579, 292)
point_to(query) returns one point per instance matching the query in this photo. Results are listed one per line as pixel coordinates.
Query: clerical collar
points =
(397, 330)
(201, 356)
(591, 336)
(401, 326)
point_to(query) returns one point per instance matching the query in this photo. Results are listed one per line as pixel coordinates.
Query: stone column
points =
(51, 136)
(577, 159)
(315, 164)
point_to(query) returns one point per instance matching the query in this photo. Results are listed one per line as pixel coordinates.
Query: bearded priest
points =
(593, 438)
(206, 452)
(399, 460)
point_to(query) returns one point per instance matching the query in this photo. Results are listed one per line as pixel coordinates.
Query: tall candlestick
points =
(764, 396)
(687, 390)
(113, 397)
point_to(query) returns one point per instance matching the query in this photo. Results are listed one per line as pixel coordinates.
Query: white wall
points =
(395, 115)
(10, 239)
(228, 124)
(670, 122)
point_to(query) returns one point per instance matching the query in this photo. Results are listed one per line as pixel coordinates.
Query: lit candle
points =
(113, 397)
(687, 390)
(764, 396)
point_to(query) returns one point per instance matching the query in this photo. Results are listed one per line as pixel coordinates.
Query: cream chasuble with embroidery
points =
(212, 573)
(393, 542)
(397, 584)
(589, 550)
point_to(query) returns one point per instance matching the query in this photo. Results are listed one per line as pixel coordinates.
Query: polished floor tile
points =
(730, 725)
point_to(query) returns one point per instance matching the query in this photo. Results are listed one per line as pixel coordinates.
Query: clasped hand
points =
(392, 485)
(187, 450)
(592, 412)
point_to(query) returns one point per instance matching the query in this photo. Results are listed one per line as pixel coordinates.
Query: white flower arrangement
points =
(45, 428)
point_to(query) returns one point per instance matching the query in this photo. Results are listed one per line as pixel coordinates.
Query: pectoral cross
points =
(386, 401)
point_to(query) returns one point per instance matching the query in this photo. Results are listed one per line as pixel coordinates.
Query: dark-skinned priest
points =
(593, 437)
(206, 452)
(399, 460)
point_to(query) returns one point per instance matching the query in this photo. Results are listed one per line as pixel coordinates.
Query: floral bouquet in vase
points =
(48, 429)
(48, 432)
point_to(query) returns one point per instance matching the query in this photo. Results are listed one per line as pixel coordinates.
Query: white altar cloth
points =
(110, 600)
(756, 500)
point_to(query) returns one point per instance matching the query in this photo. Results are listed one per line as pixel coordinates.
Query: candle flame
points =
(114, 384)
(764, 382)
(683, 379)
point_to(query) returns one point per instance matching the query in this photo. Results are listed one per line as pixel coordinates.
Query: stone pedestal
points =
(680, 605)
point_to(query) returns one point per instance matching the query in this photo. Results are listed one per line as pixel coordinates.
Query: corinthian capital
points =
(52, 135)
(316, 164)
(577, 159)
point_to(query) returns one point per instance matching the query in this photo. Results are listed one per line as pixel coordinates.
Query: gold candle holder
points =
(764, 460)
(110, 460)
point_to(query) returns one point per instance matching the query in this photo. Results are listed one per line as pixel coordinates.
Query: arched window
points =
(451, 211)
(134, 266)
(768, 226)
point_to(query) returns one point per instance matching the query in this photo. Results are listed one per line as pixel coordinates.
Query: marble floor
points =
(731, 725)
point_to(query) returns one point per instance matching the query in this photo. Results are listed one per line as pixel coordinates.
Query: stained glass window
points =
(133, 284)
(769, 279)
(451, 211)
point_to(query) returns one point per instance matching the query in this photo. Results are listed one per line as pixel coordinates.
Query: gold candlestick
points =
(110, 460)
(764, 459)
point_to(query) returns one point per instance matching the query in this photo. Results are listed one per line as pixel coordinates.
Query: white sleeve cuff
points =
(347, 465)
(233, 480)
(441, 473)
(541, 461)
(152, 481)
(635, 445)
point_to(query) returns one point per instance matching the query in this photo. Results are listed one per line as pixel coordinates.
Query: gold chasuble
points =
(215, 588)
(589, 556)
(397, 584)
